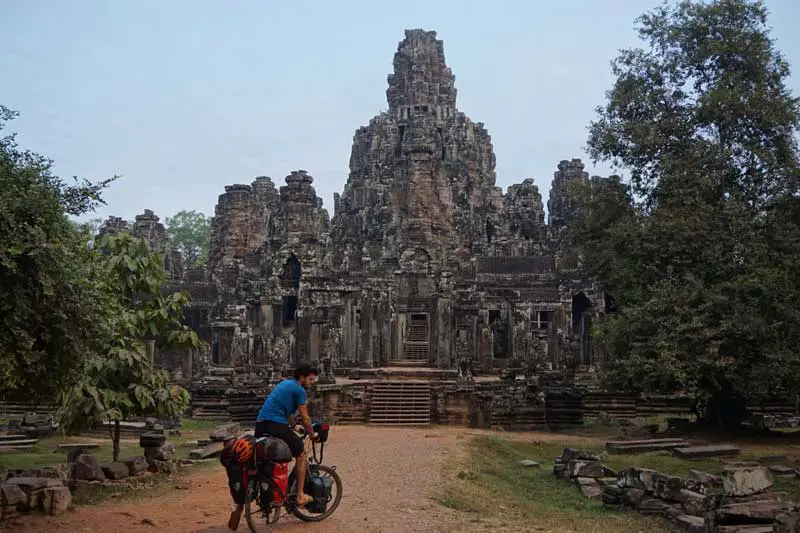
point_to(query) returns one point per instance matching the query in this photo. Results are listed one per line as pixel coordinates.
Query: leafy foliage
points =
(120, 381)
(48, 300)
(699, 247)
(190, 232)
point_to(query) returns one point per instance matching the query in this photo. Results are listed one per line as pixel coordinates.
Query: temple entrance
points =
(416, 338)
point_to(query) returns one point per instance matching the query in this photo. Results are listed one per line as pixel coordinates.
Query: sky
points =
(183, 97)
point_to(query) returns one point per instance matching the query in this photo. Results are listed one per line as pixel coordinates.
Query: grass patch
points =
(489, 484)
(46, 452)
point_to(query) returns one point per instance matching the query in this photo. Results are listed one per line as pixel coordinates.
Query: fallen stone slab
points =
(751, 528)
(212, 450)
(701, 452)
(590, 488)
(152, 440)
(637, 478)
(69, 446)
(8, 440)
(644, 446)
(118, 470)
(528, 463)
(782, 471)
(745, 480)
(750, 512)
(225, 432)
(588, 469)
(698, 504)
(652, 506)
(690, 524)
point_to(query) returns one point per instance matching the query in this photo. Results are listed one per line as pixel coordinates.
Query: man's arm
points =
(306, 420)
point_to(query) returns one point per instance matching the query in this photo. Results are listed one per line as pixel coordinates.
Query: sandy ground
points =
(389, 475)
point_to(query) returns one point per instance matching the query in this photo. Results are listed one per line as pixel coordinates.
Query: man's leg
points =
(302, 467)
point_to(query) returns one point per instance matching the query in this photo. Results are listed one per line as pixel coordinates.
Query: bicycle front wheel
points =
(333, 502)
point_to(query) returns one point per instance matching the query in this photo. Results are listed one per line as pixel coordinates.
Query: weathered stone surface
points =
(12, 495)
(751, 512)
(667, 487)
(212, 450)
(702, 482)
(56, 500)
(590, 488)
(152, 440)
(639, 478)
(634, 496)
(587, 469)
(86, 467)
(745, 480)
(787, 523)
(695, 503)
(652, 506)
(574, 455)
(160, 453)
(115, 471)
(225, 432)
(713, 450)
(136, 466)
(690, 524)
(782, 471)
(163, 467)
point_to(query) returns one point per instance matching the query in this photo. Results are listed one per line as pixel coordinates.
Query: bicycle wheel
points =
(333, 502)
(259, 520)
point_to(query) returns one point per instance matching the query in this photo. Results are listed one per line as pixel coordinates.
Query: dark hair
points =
(305, 370)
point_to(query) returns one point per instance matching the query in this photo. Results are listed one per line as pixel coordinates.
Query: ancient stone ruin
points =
(426, 267)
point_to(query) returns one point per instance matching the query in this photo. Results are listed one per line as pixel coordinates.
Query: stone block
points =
(584, 468)
(86, 467)
(667, 487)
(225, 432)
(745, 480)
(787, 523)
(118, 470)
(634, 496)
(697, 504)
(56, 500)
(212, 450)
(136, 466)
(714, 450)
(690, 524)
(702, 482)
(751, 512)
(590, 488)
(652, 506)
(160, 453)
(12, 495)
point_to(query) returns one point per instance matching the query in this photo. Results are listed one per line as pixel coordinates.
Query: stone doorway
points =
(416, 338)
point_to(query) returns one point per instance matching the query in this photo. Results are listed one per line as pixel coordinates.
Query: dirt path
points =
(389, 477)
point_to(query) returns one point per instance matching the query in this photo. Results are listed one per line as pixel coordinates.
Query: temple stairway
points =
(405, 403)
(416, 347)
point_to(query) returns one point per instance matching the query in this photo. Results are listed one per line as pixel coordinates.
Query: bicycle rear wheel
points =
(259, 520)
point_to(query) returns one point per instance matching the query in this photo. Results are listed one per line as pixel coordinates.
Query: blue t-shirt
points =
(282, 402)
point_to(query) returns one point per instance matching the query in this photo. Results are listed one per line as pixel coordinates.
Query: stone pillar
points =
(444, 329)
(188, 359)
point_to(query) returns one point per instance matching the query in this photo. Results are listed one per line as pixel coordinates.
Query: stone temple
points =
(426, 268)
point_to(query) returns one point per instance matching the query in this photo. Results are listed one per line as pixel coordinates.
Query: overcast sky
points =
(183, 97)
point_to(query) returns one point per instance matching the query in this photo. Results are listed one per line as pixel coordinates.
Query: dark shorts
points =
(283, 432)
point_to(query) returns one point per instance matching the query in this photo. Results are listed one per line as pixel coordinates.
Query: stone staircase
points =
(406, 403)
(416, 347)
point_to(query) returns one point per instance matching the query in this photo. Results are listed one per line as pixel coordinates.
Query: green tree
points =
(48, 300)
(120, 381)
(704, 124)
(190, 232)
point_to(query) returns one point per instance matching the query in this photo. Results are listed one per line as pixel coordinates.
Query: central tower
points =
(421, 188)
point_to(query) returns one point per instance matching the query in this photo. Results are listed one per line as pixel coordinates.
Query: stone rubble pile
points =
(51, 489)
(741, 500)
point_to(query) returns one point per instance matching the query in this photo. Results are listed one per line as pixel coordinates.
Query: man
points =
(273, 420)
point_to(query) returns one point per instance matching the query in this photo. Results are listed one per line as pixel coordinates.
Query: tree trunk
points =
(151, 351)
(115, 440)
